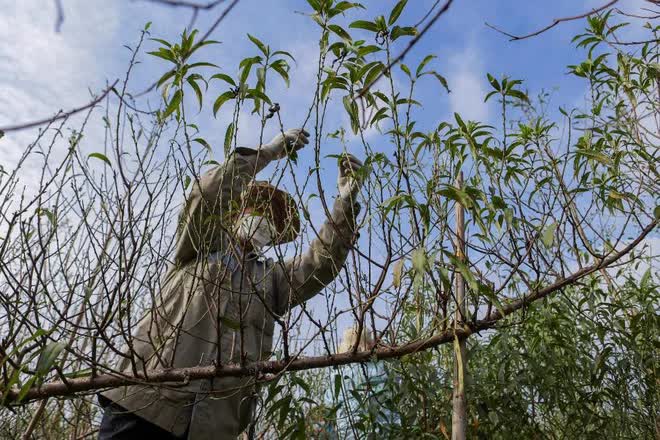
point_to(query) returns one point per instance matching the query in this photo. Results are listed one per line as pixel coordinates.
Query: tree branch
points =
(183, 375)
(60, 15)
(187, 4)
(554, 23)
(60, 114)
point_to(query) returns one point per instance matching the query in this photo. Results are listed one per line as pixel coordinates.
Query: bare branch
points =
(60, 115)
(187, 4)
(554, 23)
(60, 15)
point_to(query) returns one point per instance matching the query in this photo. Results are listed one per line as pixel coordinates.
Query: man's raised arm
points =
(204, 218)
(301, 277)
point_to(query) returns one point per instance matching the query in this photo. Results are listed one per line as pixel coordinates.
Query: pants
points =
(120, 424)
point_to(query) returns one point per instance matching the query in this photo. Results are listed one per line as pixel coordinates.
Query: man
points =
(220, 298)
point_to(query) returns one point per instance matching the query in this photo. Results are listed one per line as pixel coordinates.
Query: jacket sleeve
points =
(207, 212)
(300, 278)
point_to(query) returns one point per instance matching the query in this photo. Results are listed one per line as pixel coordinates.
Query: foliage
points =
(553, 202)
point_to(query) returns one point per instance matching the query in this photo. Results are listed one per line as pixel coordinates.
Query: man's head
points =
(269, 216)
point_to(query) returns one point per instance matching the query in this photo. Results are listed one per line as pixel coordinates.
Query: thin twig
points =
(428, 13)
(187, 4)
(554, 23)
(60, 15)
(59, 115)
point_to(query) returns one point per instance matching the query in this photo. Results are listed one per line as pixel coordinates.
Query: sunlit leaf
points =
(100, 156)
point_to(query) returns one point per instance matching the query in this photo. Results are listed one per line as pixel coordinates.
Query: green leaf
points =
(342, 7)
(423, 64)
(458, 195)
(340, 32)
(203, 143)
(202, 44)
(80, 373)
(280, 68)
(100, 156)
(48, 356)
(193, 65)
(246, 66)
(337, 385)
(164, 54)
(598, 157)
(420, 260)
(229, 135)
(401, 31)
(351, 107)
(518, 94)
(396, 12)
(494, 92)
(196, 89)
(493, 82)
(262, 47)
(163, 42)
(165, 77)
(221, 100)
(258, 94)
(373, 74)
(174, 103)
(548, 236)
(442, 79)
(315, 4)
(224, 77)
(366, 25)
(52, 218)
(285, 53)
(366, 50)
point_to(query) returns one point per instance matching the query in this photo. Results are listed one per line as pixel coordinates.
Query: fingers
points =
(348, 165)
(297, 138)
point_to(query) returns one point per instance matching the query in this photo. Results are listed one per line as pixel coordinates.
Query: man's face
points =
(256, 230)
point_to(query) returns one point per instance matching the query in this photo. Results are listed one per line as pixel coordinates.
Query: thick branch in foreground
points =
(184, 375)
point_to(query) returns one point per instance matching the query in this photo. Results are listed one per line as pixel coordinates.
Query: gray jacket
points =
(218, 304)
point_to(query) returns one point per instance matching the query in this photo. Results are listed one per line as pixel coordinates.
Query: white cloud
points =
(44, 71)
(466, 82)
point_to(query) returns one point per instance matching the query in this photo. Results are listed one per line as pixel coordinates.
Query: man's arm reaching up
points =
(303, 276)
(204, 218)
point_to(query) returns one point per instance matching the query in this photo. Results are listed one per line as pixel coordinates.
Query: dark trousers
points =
(120, 424)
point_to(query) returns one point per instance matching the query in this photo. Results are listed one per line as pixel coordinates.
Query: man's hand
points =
(349, 183)
(286, 143)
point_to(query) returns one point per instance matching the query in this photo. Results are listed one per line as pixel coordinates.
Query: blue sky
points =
(42, 71)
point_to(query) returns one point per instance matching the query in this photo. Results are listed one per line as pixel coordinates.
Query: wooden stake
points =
(459, 403)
